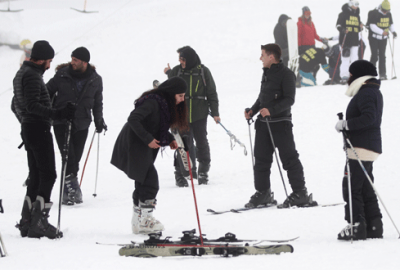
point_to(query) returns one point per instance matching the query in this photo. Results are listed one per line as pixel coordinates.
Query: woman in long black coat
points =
(139, 141)
(363, 128)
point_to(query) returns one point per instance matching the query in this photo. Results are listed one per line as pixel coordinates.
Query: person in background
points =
(380, 23)
(281, 38)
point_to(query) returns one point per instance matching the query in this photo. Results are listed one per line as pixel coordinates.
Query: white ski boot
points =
(143, 221)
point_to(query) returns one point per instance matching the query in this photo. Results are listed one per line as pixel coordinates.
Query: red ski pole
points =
(186, 148)
(87, 157)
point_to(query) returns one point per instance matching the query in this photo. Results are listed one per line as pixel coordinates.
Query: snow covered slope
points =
(130, 43)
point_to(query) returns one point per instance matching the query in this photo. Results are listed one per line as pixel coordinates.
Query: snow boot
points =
(359, 231)
(144, 222)
(375, 228)
(40, 225)
(261, 198)
(72, 191)
(298, 198)
(25, 222)
(180, 181)
(344, 80)
(203, 173)
(383, 78)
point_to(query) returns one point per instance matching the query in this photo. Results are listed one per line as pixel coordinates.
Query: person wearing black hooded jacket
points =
(363, 128)
(349, 25)
(281, 38)
(202, 99)
(76, 82)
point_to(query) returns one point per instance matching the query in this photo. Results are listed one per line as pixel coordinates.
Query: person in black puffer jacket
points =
(76, 82)
(274, 105)
(363, 128)
(31, 104)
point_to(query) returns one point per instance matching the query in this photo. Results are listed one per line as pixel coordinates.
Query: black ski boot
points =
(375, 228)
(180, 181)
(359, 231)
(25, 222)
(261, 198)
(40, 225)
(298, 198)
(203, 173)
(72, 191)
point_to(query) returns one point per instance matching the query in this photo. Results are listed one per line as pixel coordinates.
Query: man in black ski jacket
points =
(281, 38)
(379, 23)
(274, 105)
(31, 104)
(349, 26)
(76, 82)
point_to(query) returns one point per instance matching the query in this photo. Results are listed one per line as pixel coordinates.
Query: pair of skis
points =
(191, 245)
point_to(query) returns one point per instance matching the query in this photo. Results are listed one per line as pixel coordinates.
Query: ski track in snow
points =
(130, 43)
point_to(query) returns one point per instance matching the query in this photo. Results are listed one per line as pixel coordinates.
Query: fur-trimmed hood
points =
(60, 66)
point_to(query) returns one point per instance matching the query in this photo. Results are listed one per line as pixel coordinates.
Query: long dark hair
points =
(178, 112)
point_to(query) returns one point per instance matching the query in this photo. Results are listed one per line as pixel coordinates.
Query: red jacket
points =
(306, 32)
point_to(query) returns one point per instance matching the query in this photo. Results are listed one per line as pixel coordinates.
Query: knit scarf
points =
(165, 116)
(356, 85)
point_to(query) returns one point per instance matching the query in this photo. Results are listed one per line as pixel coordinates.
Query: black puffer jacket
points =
(31, 101)
(364, 117)
(278, 90)
(63, 89)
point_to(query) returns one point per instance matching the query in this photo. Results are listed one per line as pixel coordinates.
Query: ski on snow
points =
(192, 245)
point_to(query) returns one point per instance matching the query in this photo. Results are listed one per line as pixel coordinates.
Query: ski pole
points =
(249, 122)
(392, 53)
(340, 115)
(194, 193)
(64, 170)
(276, 156)
(87, 157)
(234, 140)
(3, 251)
(97, 166)
(370, 181)
(337, 61)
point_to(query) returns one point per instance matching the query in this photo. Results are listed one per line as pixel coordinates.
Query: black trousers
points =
(282, 133)
(42, 167)
(148, 189)
(364, 200)
(378, 51)
(76, 145)
(198, 132)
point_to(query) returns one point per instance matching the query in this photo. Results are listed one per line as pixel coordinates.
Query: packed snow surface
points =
(130, 44)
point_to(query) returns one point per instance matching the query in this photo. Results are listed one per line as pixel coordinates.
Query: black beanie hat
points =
(361, 68)
(82, 54)
(191, 57)
(175, 85)
(42, 50)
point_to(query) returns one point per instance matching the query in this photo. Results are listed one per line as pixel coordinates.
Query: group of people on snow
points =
(350, 48)
(183, 103)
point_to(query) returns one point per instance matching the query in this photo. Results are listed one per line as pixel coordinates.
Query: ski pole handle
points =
(249, 121)
(340, 115)
(1, 207)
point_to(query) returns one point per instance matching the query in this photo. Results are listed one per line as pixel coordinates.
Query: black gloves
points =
(394, 35)
(68, 112)
(100, 125)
